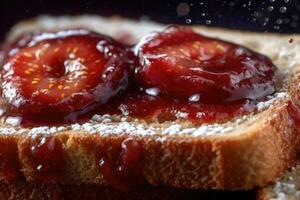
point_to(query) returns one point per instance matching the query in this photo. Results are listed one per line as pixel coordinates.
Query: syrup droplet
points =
(194, 98)
(152, 91)
(125, 172)
(188, 21)
(47, 159)
(10, 167)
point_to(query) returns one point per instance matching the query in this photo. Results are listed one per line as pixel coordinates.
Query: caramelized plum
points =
(183, 63)
(64, 74)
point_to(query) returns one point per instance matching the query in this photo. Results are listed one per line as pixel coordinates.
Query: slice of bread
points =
(286, 187)
(244, 153)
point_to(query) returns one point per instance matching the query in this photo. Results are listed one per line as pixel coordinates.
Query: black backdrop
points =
(265, 15)
(259, 15)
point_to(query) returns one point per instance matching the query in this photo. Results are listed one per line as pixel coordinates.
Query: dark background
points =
(266, 16)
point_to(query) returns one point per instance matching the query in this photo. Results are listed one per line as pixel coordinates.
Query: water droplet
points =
(183, 9)
(276, 27)
(203, 14)
(272, 1)
(188, 21)
(257, 14)
(270, 8)
(208, 21)
(279, 21)
(265, 22)
(286, 1)
(282, 9)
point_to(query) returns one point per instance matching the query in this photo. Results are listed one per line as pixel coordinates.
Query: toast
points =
(241, 154)
(286, 186)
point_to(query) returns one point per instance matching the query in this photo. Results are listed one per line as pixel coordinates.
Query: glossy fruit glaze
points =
(46, 159)
(148, 104)
(175, 74)
(123, 170)
(182, 63)
(9, 167)
(63, 75)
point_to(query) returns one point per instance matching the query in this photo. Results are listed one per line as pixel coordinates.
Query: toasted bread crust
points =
(221, 162)
(251, 156)
(261, 154)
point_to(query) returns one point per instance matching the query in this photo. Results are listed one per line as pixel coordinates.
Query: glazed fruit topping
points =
(182, 63)
(9, 167)
(162, 108)
(46, 157)
(64, 74)
(69, 75)
(124, 172)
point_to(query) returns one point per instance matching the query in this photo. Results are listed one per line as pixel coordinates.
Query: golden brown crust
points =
(294, 88)
(232, 161)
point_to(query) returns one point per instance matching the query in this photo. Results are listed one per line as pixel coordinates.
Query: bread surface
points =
(242, 154)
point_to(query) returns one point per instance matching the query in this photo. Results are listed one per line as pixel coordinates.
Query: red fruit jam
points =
(46, 156)
(165, 108)
(64, 75)
(124, 171)
(182, 63)
(174, 74)
(9, 162)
